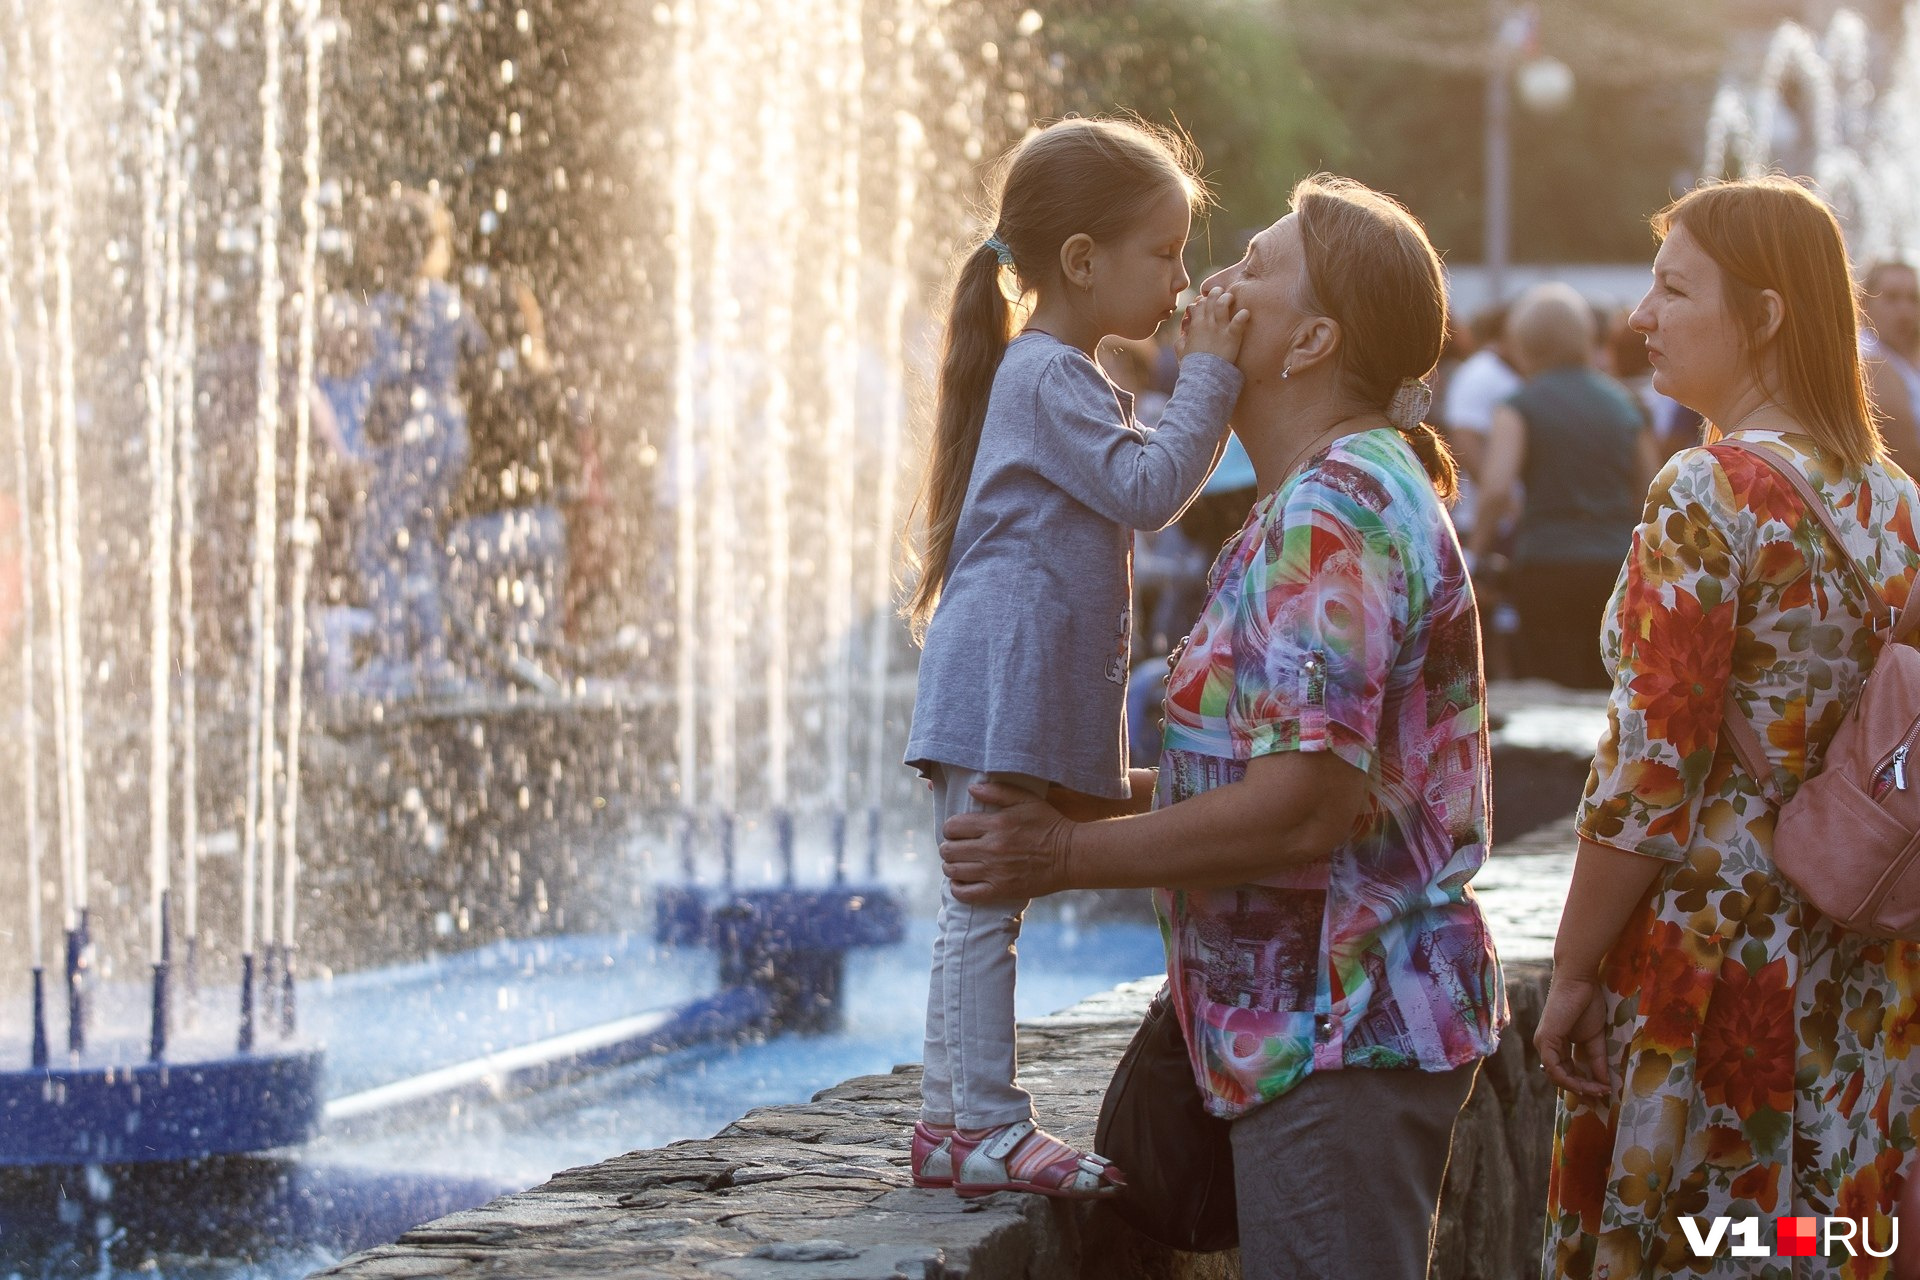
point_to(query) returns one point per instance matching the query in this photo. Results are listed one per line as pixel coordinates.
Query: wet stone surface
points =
(803, 1192)
(820, 1191)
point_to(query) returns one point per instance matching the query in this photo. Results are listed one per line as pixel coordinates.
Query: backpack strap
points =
(1745, 741)
(1909, 616)
(1740, 731)
(1818, 509)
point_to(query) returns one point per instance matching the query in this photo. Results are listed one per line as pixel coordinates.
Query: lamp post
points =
(1545, 84)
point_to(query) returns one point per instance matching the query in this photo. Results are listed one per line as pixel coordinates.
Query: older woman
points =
(1322, 799)
(1725, 1049)
(1579, 443)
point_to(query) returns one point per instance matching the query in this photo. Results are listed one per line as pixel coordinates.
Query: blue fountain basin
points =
(174, 1110)
(831, 918)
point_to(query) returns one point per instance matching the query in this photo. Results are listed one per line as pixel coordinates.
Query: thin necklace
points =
(1329, 434)
(1771, 404)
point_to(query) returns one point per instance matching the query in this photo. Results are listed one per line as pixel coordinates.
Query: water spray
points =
(258, 845)
(909, 144)
(843, 54)
(685, 143)
(177, 397)
(70, 569)
(719, 435)
(305, 536)
(186, 436)
(72, 885)
(781, 179)
(160, 96)
(29, 632)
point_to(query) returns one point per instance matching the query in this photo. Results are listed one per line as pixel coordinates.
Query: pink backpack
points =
(1849, 839)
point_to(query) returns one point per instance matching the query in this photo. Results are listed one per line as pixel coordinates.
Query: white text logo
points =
(1800, 1237)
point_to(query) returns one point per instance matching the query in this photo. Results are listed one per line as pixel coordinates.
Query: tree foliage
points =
(1393, 92)
(1227, 72)
(1410, 81)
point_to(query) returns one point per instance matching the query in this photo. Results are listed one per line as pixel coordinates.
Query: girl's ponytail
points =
(1075, 177)
(976, 339)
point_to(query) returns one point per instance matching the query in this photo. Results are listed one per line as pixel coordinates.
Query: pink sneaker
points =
(932, 1155)
(1023, 1157)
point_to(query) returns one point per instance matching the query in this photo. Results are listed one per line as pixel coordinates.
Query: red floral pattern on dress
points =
(1747, 1049)
(1770, 1062)
(1673, 1003)
(1674, 656)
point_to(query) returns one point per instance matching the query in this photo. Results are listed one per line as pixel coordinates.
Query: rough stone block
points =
(820, 1190)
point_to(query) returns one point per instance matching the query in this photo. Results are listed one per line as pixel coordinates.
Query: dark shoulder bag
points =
(1178, 1160)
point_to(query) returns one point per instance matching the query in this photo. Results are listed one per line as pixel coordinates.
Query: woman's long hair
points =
(1373, 272)
(1092, 177)
(1772, 233)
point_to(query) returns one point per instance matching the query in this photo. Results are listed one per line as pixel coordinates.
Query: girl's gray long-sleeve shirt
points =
(1026, 659)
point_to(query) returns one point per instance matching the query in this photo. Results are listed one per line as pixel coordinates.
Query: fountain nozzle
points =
(39, 1016)
(79, 943)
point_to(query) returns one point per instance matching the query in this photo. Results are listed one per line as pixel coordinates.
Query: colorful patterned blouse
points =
(1340, 619)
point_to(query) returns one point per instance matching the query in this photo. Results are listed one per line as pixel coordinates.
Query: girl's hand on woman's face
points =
(1212, 327)
(1012, 853)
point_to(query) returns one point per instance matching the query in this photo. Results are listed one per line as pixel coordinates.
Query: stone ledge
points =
(819, 1190)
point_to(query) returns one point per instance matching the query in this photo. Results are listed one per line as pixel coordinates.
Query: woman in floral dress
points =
(1725, 1050)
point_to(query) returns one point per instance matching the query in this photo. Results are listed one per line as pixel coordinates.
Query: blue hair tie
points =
(1000, 250)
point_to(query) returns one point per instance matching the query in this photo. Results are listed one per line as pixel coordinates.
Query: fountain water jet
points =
(103, 1102)
(30, 774)
(1814, 109)
(787, 275)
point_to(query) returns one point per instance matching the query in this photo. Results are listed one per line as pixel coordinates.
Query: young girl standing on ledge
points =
(1039, 476)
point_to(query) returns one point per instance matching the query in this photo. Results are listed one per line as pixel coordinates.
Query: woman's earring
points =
(1286, 372)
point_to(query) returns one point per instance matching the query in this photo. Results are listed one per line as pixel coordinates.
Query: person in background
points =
(1723, 1048)
(1480, 384)
(1890, 346)
(1577, 443)
(509, 536)
(1674, 426)
(1460, 347)
(1623, 357)
(403, 418)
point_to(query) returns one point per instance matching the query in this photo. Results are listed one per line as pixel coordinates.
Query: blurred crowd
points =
(466, 470)
(1549, 406)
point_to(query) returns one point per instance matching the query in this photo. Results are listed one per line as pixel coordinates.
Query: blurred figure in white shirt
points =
(1890, 345)
(1481, 384)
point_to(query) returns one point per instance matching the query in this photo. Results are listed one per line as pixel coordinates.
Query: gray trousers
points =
(1340, 1177)
(969, 1050)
